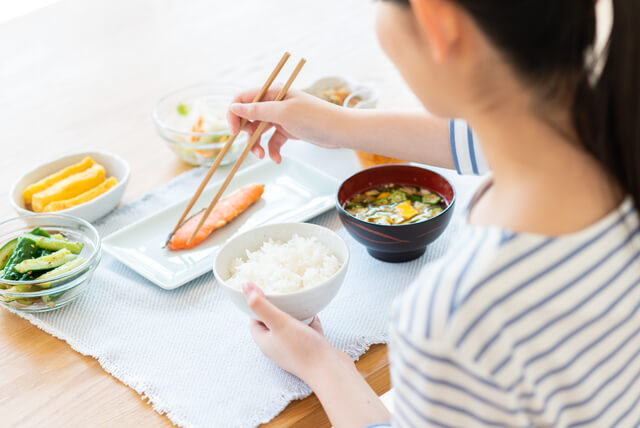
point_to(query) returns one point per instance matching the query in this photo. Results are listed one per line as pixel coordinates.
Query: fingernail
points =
(248, 289)
(236, 107)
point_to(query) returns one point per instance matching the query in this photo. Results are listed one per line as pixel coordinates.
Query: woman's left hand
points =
(296, 347)
(302, 350)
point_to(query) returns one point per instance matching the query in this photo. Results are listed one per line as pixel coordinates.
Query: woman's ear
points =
(439, 20)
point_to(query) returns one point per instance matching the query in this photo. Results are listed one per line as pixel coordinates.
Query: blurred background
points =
(13, 9)
(86, 73)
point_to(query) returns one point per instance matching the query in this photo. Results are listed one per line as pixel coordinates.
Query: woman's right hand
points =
(300, 116)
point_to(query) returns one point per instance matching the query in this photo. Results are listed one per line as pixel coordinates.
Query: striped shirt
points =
(522, 330)
(467, 156)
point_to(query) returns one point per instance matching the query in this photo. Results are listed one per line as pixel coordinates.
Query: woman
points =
(533, 320)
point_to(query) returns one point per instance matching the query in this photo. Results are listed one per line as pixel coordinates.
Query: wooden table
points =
(84, 74)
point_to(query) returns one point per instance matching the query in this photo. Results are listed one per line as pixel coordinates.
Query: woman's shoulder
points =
(430, 303)
(427, 320)
(491, 267)
(496, 287)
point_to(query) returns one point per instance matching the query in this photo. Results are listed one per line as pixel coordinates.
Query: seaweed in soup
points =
(394, 204)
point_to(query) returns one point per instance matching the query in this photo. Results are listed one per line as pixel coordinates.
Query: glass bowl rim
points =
(90, 263)
(165, 127)
(204, 146)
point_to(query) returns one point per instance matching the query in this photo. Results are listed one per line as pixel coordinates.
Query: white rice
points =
(283, 267)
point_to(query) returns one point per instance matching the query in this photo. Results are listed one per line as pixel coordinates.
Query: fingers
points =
(233, 121)
(316, 325)
(249, 95)
(234, 124)
(258, 151)
(257, 148)
(266, 111)
(250, 127)
(260, 334)
(276, 142)
(272, 317)
(257, 328)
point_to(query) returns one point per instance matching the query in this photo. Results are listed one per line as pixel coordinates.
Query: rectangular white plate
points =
(293, 192)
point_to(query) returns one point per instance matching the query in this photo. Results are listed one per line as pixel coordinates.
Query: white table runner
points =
(189, 351)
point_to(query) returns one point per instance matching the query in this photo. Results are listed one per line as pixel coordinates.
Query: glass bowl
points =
(176, 117)
(57, 291)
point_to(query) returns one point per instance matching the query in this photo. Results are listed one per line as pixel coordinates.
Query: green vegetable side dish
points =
(395, 205)
(55, 244)
(36, 256)
(6, 251)
(25, 249)
(48, 262)
(67, 267)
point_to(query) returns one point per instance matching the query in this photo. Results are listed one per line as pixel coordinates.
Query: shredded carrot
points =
(193, 137)
(204, 153)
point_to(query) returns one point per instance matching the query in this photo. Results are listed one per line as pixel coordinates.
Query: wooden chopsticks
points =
(247, 149)
(228, 144)
(254, 137)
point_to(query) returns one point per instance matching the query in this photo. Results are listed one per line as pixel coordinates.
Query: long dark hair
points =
(546, 40)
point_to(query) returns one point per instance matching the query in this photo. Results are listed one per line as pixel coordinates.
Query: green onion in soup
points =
(394, 205)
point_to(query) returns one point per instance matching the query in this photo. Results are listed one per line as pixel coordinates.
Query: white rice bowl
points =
(280, 267)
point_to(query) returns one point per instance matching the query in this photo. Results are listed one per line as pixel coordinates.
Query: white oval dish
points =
(89, 211)
(368, 95)
(302, 304)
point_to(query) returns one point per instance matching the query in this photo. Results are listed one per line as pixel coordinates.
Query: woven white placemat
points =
(189, 352)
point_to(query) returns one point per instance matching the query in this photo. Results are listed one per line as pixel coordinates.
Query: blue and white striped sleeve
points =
(435, 386)
(465, 149)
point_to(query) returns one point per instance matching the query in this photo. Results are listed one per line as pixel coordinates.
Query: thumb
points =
(271, 316)
(266, 111)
